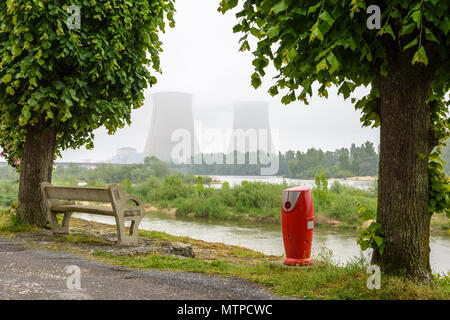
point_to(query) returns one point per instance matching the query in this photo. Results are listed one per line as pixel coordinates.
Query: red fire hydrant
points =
(297, 220)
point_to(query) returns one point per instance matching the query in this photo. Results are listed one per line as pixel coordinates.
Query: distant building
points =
(251, 128)
(127, 155)
(171, 116)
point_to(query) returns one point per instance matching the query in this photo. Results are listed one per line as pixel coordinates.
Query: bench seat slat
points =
(106, 211)
(80, 194)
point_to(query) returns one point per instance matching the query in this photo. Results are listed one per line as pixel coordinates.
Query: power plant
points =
(172, 121)
(251, 128)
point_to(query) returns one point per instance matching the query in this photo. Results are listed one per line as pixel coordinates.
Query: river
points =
(235, 180)
(268, 239)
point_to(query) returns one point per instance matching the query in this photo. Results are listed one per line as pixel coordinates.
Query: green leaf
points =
(229, 4)
(254, 32)
(280, 6)
(364, 245)
(378, 240)
(292, 53)
(7, 78)
(331, 58)
(28, 36)
(273, 32)
(314, 8)
(10, 91)
(420, 56)
(326, 17)
(412, 43)
(315, 33)
(445, 25)
(417, 17)
(389, 30)
(322, 65)
(256, 80)
(430, 36)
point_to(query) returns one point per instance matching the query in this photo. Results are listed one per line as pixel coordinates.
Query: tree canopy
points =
(327, 42)
(75, 80)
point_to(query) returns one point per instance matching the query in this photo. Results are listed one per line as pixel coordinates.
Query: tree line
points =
(341, 163)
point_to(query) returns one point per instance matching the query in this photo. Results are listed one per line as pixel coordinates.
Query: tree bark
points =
(36, 167)
(405, 135)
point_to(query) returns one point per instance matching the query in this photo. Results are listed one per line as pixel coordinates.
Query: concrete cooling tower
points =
(251, 122)
(172, 114)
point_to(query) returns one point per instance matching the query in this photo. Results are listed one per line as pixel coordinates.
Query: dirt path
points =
(27, 273)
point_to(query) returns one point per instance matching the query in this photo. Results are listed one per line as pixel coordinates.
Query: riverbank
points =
(322, 280)
(439, 225)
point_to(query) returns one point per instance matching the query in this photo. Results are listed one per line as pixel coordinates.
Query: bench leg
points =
(64, 228)
(127, 239)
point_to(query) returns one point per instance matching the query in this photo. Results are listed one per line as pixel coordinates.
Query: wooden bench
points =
(61, 200)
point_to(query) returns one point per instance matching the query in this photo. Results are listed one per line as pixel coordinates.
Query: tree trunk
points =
(405, 135)
(36, 167)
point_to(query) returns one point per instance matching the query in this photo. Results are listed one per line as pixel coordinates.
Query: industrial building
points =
(172, 125)
(251, 128)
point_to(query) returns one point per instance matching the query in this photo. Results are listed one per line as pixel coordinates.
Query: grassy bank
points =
(322, 280)
(254, 201)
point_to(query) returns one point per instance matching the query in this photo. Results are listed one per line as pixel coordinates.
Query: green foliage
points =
(9, 223)
(185, 207)
(199, 188)
(75, 80)
(439, 186)
(257, 195)
(8, 192)
(372, 236)
(342, 208)
(328, 42)
(157, 167)
(320, 191)
(341, 163)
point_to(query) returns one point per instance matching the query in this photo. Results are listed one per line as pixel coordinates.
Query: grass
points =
(322, 280)
(9, 224)
(440, 224)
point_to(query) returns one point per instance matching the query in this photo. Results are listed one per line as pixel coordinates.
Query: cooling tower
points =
(172, 115)
(251, 124)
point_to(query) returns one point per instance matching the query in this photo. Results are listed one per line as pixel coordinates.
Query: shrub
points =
(184, 207)
(336, 187)
(343, 207)
(209, 208)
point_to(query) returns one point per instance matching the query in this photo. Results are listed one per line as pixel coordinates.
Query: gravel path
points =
(41, 274)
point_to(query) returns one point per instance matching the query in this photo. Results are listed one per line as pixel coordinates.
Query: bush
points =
(343, 207)
(209, 208)
(184, 207)
(257, 195)
(336, 187)
(173, 187)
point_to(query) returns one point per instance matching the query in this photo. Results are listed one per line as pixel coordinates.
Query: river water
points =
(268, 238)
(235, 180)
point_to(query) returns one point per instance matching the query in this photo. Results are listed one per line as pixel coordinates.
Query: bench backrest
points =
(80, 194)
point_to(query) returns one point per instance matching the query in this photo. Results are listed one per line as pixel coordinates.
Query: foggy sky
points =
(201, 56)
